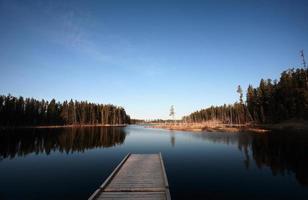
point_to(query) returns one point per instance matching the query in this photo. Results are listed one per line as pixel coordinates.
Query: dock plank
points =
(139, 176)
(132, 195)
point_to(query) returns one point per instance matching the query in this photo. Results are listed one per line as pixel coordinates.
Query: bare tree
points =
(303, 57)
(172, 112)
(240, 91)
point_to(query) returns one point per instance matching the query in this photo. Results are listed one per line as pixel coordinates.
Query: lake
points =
(71, 163)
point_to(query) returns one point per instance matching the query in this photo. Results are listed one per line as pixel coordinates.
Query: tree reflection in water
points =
(21, 142)
(282, 152)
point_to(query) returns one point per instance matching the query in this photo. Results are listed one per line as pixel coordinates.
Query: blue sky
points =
(147, 55)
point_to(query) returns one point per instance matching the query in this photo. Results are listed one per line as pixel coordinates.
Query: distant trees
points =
(19, 112)
(270, 102)
(137, 121)
(229, 114)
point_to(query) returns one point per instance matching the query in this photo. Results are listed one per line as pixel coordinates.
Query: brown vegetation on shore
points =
(216, 125)
(211, 126)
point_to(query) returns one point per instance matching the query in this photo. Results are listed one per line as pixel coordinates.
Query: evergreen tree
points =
(270, 102)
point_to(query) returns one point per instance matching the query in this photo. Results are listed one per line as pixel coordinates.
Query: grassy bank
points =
(216, 126)
(210, 126)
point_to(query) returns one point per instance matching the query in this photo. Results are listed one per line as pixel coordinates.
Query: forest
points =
(19, 111)
(270, 102)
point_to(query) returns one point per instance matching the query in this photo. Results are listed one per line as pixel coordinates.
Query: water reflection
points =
(282, 152)
(21, 142)
(199, 165)
(172, 139)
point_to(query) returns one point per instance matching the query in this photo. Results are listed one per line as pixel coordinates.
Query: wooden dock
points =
(138, 176)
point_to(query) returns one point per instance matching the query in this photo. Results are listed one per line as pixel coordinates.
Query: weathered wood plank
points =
(138, 176)
(132, 195)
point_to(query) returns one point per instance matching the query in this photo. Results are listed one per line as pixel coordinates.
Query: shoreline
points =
(199, 127)
(217, 127)
(62, 126)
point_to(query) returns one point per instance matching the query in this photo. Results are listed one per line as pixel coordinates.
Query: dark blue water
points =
(71, 163)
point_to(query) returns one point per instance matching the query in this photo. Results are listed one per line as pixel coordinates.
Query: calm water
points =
(72, 163)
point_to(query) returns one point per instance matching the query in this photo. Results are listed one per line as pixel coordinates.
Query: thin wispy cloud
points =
(75, 29)
(174, 49)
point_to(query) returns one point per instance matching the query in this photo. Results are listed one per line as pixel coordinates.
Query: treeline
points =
(236, 113)
(137, 121)
(142, 121)
(163, 121)
(270, 102)
(19, 111)
(274, 101)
